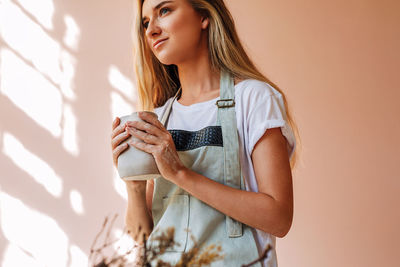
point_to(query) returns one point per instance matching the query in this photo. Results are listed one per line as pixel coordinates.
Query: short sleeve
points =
(266, 111)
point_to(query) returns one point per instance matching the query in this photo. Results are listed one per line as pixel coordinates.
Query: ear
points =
(204, 22)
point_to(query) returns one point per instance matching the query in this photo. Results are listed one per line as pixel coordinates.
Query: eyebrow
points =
(157, 7)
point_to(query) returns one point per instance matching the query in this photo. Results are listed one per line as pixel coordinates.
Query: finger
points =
(117, 151)
(146, 116)
(146, 137)
(142, 146)
(119, 138)
(119, 129)
(115, 122)
(145, 126)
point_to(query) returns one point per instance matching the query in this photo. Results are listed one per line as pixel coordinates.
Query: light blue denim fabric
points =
(172, 206)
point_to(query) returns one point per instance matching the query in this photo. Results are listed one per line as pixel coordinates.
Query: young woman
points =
(222, 142)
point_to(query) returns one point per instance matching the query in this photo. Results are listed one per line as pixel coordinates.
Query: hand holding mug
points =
(132, 163)
(153, 138)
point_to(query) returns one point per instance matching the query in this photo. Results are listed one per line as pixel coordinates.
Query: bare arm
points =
(274, 176)
(138, 219)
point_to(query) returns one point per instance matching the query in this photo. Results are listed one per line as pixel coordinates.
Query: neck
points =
(198, 81)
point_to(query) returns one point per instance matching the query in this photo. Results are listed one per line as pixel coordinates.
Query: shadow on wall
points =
(61, 85)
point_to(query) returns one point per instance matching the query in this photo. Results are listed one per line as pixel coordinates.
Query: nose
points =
(153, 29)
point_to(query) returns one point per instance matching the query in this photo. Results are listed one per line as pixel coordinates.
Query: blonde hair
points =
(157, 82)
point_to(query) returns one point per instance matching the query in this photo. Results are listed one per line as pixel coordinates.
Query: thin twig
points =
(261, 258)
(115, 251)
(109, 229)
(95, 240)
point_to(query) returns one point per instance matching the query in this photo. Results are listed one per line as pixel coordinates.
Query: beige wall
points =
(66, 72)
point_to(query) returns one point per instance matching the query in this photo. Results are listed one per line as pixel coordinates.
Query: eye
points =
(164, 9)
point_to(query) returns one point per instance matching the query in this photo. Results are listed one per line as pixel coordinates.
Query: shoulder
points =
(251, 94)
(260, 107)
(254, 88)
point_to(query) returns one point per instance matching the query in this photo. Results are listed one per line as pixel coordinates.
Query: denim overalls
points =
(214, 153)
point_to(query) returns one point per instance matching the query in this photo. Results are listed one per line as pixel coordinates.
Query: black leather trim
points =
(187, 140)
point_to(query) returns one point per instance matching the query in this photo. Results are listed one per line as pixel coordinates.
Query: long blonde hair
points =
(157, 82)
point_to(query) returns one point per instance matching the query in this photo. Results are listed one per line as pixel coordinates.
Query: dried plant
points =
(197, 256)
(95, 253)
(262, 257)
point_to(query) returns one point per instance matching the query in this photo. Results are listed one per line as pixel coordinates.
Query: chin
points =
(165, 62)
(167, 59)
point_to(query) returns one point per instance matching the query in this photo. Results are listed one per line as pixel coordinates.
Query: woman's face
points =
(179, 27)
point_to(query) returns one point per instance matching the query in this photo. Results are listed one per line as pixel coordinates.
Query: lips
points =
(158, 41)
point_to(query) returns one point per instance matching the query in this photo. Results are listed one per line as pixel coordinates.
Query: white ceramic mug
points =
(135, 164)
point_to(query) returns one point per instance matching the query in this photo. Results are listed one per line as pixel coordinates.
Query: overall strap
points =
(167, 111)
(227, 117)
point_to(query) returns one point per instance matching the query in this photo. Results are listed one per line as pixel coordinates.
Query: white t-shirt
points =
(258, 107)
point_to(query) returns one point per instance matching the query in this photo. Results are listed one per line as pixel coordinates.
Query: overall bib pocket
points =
(175, 214)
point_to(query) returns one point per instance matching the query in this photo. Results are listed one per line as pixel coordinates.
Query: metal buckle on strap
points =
(225, 103)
